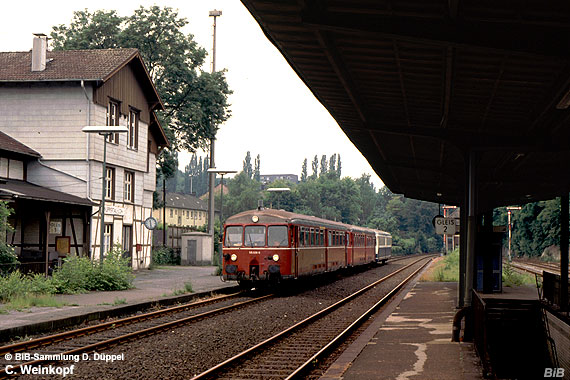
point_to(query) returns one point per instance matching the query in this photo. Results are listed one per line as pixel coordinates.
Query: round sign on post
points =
(150, 223)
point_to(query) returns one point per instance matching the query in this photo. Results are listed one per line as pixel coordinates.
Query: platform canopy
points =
(417, 85)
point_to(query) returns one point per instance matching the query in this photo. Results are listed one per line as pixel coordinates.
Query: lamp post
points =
(214, 171)
(212, 176)
(222, 173)
(105, 131)
(509, 211)
(278, 190)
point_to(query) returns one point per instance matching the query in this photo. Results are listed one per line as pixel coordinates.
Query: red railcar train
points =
(271, 245)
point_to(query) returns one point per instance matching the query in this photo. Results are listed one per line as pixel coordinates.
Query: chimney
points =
(39, 51)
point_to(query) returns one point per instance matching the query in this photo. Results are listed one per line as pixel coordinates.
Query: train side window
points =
(277, 236)
(234, 236)
(254, 236)
(322, 242)
(330, 237)
(312, 236)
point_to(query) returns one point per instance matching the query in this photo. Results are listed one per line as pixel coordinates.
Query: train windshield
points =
(277, 236)
(233, 236)
(254, 236)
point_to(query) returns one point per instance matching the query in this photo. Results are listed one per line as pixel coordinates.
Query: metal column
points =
(471, 229)
(564, 252)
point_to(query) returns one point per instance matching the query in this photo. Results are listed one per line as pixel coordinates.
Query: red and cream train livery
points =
(267, 244)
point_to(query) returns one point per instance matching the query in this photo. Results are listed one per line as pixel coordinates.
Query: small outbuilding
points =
(196, 249)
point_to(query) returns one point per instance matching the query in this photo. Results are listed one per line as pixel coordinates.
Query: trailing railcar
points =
(383, 246)
(272, 245)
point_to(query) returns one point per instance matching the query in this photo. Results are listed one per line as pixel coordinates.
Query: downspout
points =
(87, 141)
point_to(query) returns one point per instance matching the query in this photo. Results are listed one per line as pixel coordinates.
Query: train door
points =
(295, 258)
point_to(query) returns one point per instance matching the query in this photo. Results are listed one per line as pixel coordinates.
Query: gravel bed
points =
(189, 350)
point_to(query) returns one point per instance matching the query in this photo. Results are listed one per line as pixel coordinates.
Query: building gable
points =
(125, 88)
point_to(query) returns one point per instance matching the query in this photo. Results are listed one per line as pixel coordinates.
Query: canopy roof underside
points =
(417, 85)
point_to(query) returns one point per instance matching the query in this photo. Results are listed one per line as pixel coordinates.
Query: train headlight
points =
(275, 257)
(233, 257)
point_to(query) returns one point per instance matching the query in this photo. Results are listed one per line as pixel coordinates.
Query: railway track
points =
(293, 352)
(535, 268)
(98, 337)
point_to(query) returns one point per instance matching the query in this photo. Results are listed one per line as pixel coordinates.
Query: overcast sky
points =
(273, 113)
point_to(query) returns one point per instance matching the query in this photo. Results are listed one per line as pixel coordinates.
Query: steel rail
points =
(67, 335)
(309, 364)
(242, 355)
(131, 336)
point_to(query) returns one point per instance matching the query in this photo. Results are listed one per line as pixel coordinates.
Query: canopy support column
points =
(564, 252)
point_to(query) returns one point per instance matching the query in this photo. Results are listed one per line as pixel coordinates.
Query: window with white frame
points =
(110, 183)
(113, 116)
(133, 132)
(129, 186)
(108, 237)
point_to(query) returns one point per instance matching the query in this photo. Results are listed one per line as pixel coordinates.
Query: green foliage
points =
(187, 289)
(119, 301)
(79, 274)
(513, 278)
(247, 168)
(8, 258)
(165, 256)
(446, 270)
(33, 300)
(535, 227)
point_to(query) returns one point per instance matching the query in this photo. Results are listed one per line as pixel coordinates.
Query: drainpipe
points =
(87, 141)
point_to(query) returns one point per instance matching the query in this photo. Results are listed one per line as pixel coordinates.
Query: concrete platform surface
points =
(149, 285)
(411, 341)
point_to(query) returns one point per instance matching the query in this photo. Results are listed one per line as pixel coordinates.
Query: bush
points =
(165, 256)
(79, 274)
(114, 273)
(12, 286)
(76, 275)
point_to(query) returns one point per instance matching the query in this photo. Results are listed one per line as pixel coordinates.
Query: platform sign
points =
(445, 226)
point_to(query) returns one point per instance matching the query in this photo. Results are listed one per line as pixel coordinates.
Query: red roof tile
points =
(10, 144)
(64, 65)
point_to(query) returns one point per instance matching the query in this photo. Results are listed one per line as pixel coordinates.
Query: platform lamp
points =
(278, 190)
(221, 172)
(105, 131)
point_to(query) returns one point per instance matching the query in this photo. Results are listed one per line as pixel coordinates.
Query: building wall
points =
(11, 168)
(188, 218)
(48, 118)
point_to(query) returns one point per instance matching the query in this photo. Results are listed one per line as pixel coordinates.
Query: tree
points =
(315, 167)
(7, 256)
(367, 197)
(247, 168)
(324, 166)
(195, 101)
(243, 194)
(257, 169)
(338, 166)
(304, 171)
(332, 163)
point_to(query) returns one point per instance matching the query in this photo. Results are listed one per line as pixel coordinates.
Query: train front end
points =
(257, 248)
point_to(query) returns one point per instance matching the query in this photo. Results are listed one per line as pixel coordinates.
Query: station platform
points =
(162, 285)
(411, 339)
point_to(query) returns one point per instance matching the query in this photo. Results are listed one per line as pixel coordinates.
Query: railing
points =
(551, 289)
